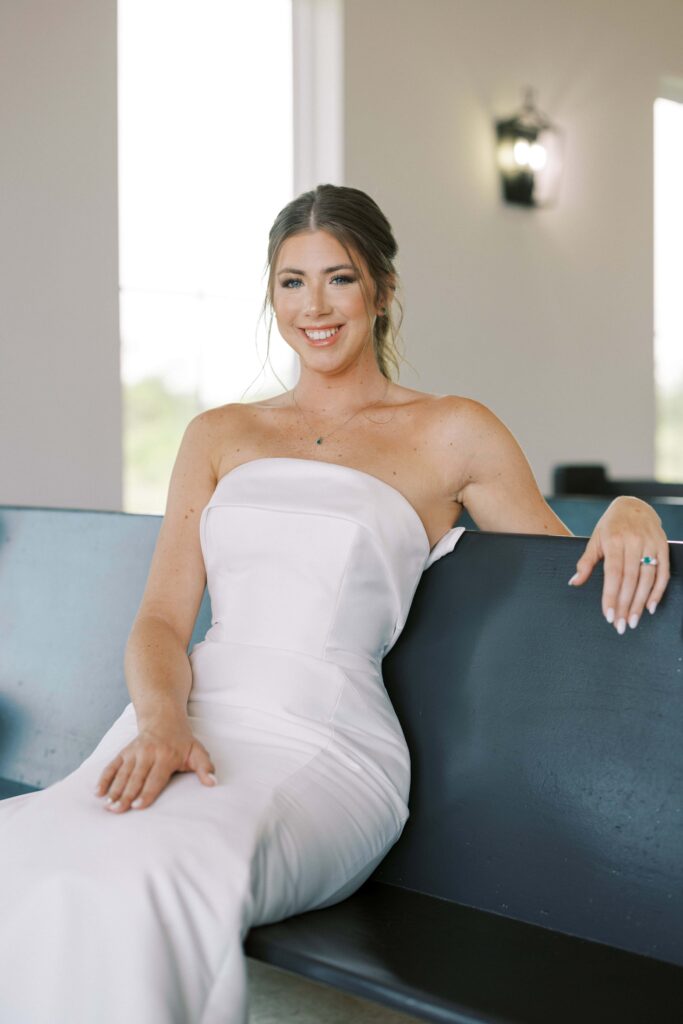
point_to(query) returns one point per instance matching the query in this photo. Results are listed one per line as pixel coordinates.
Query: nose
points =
(317, 303)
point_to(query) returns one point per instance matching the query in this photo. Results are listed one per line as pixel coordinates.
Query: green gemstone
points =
(647, 560)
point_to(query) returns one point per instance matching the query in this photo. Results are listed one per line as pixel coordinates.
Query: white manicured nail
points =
(113, 806)
(651, 607)
(574, 577)
(621, 627)
(137, 803)
(633, 621)
(610, 615)
(213, 778)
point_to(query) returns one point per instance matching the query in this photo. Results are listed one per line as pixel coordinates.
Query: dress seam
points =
(286, 650)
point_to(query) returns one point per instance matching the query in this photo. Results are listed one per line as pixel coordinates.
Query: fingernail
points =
(621, 627)
(113, 806)
(652, 607)
(633, 621)
(574, 577)
(137, 803)
(610, 615)
(213, 778)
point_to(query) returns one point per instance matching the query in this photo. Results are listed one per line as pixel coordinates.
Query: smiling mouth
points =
(324, 334)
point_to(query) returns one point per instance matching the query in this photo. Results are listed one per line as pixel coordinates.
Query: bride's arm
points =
(499, 491)
(157, 666)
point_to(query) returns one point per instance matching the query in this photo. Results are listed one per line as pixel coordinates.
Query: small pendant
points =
(319, 440)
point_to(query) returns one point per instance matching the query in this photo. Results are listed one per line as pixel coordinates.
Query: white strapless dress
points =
(139, 918)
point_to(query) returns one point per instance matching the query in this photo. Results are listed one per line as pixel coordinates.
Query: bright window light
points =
(205, 164)
(668, 135)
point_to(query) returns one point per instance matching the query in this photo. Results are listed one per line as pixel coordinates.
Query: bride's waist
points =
(280, 680)
(345, 658)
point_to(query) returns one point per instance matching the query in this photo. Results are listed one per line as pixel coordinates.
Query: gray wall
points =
(547, 315)
(60, 404)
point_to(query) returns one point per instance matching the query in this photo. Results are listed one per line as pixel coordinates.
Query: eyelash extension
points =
(337, 277)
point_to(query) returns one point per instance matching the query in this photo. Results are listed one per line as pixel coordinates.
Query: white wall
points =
(544, 315)
(60, 406)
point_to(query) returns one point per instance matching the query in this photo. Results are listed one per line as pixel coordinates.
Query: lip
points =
(324, 342)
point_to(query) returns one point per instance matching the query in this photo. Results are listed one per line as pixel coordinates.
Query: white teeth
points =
(319, 335)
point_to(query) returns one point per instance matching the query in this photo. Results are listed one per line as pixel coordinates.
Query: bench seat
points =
(446, 962)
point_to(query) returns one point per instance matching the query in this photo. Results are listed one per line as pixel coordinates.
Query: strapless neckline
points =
(410, 508)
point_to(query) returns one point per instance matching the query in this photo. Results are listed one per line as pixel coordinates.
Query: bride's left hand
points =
(627, 531)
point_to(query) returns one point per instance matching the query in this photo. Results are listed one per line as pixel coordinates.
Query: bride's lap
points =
(306, 827)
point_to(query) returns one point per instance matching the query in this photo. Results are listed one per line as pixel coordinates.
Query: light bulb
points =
(521, 152)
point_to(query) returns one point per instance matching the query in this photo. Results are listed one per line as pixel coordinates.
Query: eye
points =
(343, 278)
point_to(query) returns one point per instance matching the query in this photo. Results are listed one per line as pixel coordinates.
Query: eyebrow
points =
(327, 270)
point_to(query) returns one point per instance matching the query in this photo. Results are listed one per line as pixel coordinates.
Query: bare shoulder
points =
(470, 427)
(463, 413)
(455, 428)
(209, 432)
(491, 475)
(424, 406)
(220, 416)
(486, 443)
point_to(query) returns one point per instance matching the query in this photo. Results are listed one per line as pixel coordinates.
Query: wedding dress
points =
(139, 917)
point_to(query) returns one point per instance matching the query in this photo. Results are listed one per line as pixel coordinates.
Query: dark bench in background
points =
(539, 878)
(592, 479)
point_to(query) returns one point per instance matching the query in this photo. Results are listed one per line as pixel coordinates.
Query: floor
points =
(279, 997)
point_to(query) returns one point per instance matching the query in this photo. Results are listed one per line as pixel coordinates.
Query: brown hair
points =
(357, 222)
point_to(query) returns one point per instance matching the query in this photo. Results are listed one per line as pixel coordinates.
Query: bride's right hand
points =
(143, 768)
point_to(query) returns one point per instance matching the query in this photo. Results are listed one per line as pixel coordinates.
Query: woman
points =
(312, 515)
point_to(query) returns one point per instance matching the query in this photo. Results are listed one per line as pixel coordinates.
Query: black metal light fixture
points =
(529, 154)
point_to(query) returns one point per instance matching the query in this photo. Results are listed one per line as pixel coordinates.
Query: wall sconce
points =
(529, 154)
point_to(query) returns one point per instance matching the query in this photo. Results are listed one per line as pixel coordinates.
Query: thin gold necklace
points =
(322, 437)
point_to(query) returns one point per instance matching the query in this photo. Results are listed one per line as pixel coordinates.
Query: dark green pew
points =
(593, 479)
(539, 879)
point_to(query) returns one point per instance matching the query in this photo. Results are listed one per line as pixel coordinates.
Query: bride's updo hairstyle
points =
(358, 224)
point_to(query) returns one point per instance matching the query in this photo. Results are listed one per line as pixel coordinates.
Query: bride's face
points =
(316, 287)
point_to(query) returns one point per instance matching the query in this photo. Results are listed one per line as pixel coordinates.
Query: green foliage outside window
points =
(154, 422)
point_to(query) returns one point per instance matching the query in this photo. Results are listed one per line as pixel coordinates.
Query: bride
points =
(312, 516)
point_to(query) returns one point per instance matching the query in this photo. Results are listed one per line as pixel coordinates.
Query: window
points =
(668, 125)
(205, 164)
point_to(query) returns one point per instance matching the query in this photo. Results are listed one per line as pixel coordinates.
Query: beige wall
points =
(546, 315)
(60, 406)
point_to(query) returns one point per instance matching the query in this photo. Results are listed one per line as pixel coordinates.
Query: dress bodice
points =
(313, 557)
